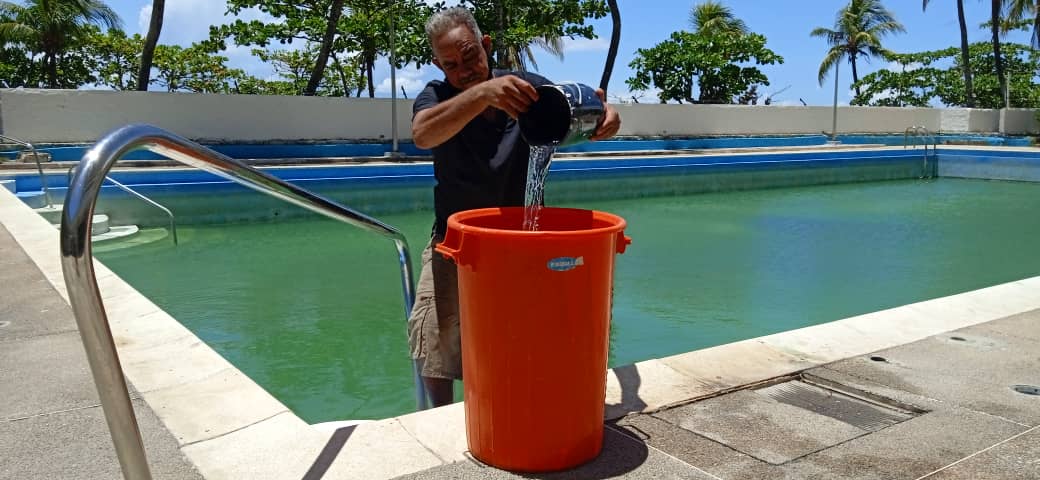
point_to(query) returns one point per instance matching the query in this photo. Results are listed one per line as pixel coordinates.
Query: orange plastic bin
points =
(535, 315)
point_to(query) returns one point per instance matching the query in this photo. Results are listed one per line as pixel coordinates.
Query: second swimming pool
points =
(311, 309)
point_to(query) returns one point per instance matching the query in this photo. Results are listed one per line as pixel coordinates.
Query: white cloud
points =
(585, 45)
(788, 103)
(899, 67)
(412, 80)
(188, 21)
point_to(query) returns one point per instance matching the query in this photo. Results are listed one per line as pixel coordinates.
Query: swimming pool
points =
(69, 153)
(310, 309)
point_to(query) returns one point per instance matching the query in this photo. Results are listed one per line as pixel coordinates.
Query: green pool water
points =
(312, 309)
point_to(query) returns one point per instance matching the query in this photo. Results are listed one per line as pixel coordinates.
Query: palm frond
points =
(833, 56)
(11, 32)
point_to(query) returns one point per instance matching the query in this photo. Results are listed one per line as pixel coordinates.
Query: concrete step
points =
(141, 237)
(113, 233)
(34, 199)
(51, 213)
(98, 226)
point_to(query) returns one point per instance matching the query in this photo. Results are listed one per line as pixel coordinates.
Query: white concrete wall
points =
(1019, 121)
(83, 116)
(648, 119)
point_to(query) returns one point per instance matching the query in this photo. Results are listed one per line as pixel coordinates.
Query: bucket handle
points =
(623, 241)
(451, 246)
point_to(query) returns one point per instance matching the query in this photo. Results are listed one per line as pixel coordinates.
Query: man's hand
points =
(611, 120)
(508, 93)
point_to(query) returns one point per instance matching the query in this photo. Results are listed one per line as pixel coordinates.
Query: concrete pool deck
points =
(715, 413)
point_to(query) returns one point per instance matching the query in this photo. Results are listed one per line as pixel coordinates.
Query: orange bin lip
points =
(456, 221)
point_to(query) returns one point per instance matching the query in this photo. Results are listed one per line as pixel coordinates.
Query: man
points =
(479, 160)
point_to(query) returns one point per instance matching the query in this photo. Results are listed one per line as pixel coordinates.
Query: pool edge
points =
(213, 410)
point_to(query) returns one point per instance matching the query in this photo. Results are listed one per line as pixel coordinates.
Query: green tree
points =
(116, 58)
(360, 26)
(155, 23)
(938, 76)
(294, 69)
(857, 33)
(193, 69)
(713, 17)
(714, 60)
(52, 28)
(516, 25)
(965, 61)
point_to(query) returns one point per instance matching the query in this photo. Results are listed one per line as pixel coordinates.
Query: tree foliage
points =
(55, 30)
(714, 17)
(514, 25)
(193, 69)
(115, 58)
(723, 66)
(362, 27)
(938, 76)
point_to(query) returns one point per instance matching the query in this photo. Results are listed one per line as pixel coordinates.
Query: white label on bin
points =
(562, 264)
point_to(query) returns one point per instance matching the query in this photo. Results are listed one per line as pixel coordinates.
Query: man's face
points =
(462, 57)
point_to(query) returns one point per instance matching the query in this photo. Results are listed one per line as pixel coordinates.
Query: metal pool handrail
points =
(78, 269)
(43, 178)
(145, 199)
(925, 135)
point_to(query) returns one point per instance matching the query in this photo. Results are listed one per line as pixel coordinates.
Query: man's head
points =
(459, 49)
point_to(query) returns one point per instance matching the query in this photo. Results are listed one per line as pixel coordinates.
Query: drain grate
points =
(1026, 389)
(853, 411)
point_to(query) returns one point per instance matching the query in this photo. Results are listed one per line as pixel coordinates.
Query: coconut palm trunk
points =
(615, 40)
(855, 72)
(995, 7)
(144, 71)
(969, 89)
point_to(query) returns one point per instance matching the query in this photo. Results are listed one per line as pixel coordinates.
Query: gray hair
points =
(444, 20)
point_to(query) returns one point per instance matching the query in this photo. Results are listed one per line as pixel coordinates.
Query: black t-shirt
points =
(484, 165)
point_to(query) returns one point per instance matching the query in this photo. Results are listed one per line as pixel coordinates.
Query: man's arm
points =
(435, 125)
(611, 120)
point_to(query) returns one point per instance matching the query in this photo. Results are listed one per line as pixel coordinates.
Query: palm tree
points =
(1020, 9)
(714, 17)
(150, 41)
(969, 90)
(615, 39)
(858, 30)
(49, 27)
(995, 20)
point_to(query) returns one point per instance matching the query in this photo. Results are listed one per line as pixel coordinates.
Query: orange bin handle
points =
(451, 246)
(623, 241)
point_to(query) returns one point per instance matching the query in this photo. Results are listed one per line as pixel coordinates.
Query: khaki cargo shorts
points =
(433, 327)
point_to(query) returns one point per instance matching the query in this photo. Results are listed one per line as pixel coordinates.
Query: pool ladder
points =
(918, 132)
(39, 168)
(145, 199)
(81, 282)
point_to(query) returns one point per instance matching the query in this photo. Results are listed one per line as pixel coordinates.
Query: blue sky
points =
(644, 24)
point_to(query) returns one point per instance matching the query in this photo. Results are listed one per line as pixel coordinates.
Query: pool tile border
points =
(229, 427)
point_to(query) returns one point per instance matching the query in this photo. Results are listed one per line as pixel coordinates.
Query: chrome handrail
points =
(173, 221)
(39, 168)
(924, 134)
(81, 282)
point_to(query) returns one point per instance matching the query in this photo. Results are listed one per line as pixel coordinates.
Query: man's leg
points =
(440, 390)
(433, 327)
